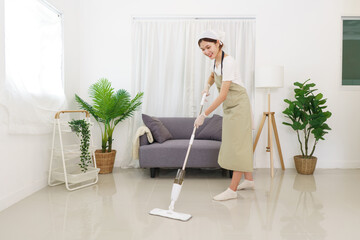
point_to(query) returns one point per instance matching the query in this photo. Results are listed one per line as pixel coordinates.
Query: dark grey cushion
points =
(212, 130)
(158, 130)
(181, 127)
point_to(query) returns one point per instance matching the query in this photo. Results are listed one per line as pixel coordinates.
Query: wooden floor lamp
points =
(270, 77)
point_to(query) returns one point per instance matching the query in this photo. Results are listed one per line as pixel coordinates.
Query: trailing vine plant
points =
(82, 130)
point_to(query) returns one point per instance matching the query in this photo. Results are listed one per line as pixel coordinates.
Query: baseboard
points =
(319, 164)
(26, 191)
(341, 165)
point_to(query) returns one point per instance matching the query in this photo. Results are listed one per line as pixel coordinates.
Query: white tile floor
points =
(289, 206)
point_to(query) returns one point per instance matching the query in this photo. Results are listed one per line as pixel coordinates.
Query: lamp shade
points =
(269, 77)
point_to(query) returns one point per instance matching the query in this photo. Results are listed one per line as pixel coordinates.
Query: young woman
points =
(236, 151)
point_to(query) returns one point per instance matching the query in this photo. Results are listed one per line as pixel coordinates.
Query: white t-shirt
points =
(230, 70)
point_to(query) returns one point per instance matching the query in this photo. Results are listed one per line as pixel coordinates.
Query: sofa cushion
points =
(181, 127)
(172, 153)
(157, 128)
(212, 130)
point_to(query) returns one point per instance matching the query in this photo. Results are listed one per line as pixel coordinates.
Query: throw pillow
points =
(212, 130)
(158, 130)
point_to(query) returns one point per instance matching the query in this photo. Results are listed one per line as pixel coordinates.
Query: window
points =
(33, 46)
(351, 51)
(33, 61)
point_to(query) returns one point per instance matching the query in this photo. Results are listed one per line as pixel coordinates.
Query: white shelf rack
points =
(65, 154)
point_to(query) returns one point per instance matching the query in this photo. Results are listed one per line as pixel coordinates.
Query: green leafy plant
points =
(82, 130)
(109, 108)
(307, 116)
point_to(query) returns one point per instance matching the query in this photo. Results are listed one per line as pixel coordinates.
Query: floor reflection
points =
(266, 208)
(234, 215)
(81, 213)
(256, 207)
(307, 212)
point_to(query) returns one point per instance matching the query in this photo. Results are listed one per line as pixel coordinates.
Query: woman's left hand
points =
(200, 120)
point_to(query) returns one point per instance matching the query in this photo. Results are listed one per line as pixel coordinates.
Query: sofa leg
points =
(230, 173)
(152, 172)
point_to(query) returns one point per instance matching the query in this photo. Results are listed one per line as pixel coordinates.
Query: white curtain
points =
(33, 90)
(171, 70)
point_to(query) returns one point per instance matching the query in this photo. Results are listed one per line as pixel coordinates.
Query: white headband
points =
(213, 35)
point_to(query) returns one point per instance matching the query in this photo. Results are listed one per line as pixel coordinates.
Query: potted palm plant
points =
(308, 119)
(109, 108)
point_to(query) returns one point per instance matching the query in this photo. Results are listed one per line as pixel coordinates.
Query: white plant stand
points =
(65, 155)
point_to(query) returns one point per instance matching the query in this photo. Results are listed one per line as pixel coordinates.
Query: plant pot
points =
(305, 166)
(105, 161)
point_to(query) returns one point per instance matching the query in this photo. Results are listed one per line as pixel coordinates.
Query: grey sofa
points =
(171, 153)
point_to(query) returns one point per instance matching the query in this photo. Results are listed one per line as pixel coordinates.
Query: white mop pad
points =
(170, 214)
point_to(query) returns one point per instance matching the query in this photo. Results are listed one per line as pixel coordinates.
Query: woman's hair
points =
(210, 40)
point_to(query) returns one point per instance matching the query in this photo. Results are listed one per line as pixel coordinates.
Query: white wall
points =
(304, 36)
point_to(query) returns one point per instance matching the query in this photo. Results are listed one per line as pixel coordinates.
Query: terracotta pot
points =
(105, 161)
(305, 166)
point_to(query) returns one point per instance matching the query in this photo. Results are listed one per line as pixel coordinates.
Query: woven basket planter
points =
(105, 161)
(305, 166)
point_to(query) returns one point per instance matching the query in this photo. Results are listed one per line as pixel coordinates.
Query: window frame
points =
(350, 86)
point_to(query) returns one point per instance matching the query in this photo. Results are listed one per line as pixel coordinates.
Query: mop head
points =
(175, 192)
(170, 214)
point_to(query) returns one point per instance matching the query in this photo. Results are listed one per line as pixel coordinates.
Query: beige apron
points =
(236, 151)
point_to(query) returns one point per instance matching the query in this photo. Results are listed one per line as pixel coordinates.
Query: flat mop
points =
(176, 189)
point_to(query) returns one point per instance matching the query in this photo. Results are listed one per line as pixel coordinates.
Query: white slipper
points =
(246, 184)
(226, 195)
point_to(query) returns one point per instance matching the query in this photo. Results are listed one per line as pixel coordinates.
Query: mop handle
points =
(193, 133)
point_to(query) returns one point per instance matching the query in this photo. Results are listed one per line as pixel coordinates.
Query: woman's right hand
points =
(206, 90)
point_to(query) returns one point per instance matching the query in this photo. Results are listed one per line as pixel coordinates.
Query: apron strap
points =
(222, 59)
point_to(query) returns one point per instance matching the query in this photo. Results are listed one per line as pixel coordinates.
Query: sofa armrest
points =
(144, 140)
